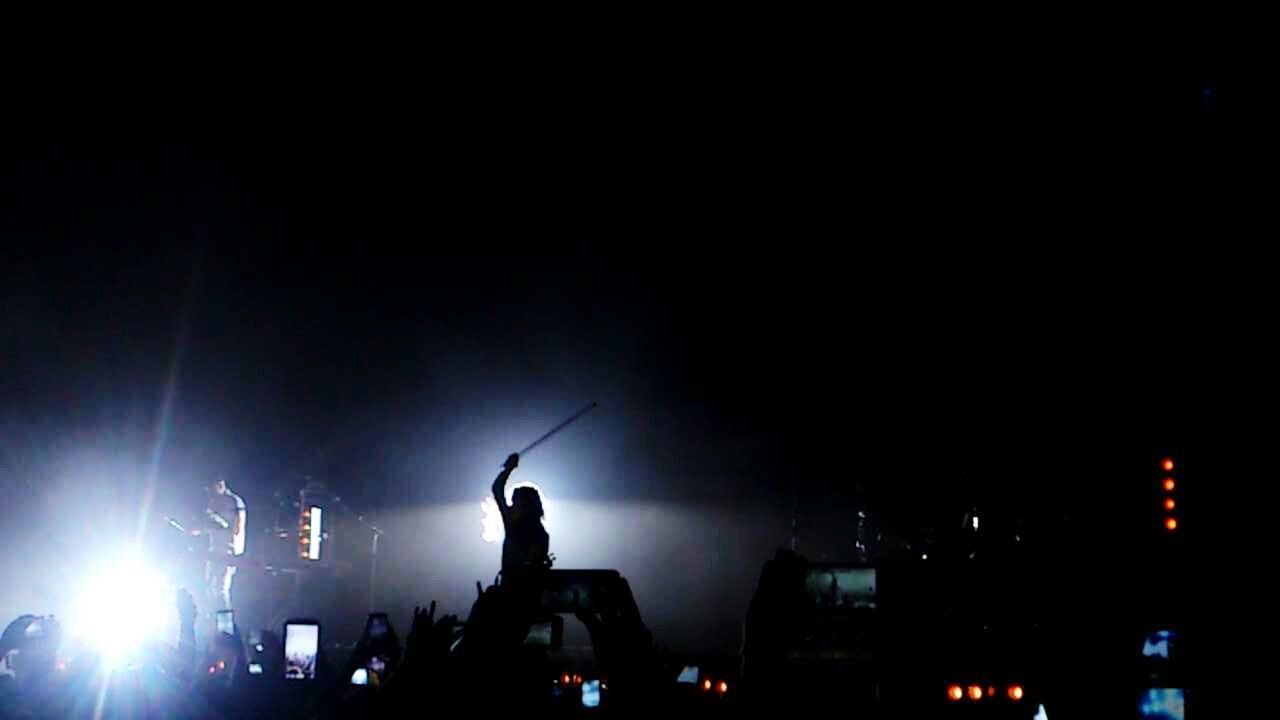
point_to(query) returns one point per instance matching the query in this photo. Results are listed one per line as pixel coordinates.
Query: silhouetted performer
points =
(225, 518)
(524, 549)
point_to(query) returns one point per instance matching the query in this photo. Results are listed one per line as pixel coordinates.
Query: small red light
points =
(1167, 464)
(991, 691)
(577, 679)
(723, 688)
(1169, 485)
(564, 678)
(1169, 504)
(222, 665)
(1171, 524)
(706, 686)
(975, 692)
(955, 692)
(1015, 692)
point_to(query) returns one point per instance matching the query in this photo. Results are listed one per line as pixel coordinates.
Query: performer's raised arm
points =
(500, 487)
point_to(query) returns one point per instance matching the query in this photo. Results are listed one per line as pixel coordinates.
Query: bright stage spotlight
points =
(121, 607)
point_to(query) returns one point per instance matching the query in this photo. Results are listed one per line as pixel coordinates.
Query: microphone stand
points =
(375, 534)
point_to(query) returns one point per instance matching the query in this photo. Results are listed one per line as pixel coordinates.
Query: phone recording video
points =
(301, 646)
(255, 668)
(570, 591)
(591, 693)
(837, 587)
(360, 677)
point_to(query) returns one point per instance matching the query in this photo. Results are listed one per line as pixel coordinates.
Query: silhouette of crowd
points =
(484, 664)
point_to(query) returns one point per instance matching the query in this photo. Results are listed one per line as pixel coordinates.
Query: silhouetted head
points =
(218, 486)
(526, 502)
(32, 644)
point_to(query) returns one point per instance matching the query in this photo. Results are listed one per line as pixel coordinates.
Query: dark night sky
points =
(770, 269)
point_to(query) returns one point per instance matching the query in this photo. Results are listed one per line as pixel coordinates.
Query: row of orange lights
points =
(567, 679)
(721, 687)
(956, 693)
(304, 534)
(1169, 485)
